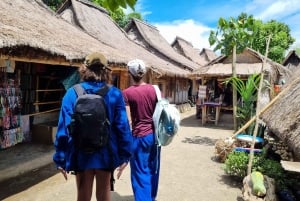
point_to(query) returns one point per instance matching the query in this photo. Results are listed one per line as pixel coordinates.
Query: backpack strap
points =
(157, 91)
(103, 90)
(79, 89)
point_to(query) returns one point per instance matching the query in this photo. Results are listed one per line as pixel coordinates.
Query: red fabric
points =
(142, 100)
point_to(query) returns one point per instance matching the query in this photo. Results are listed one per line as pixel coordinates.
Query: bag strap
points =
(157, 91)
(103, 90)
(79, 89)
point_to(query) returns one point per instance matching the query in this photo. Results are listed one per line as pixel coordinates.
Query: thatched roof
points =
(225, 70)
(30, 31)
(95, 21)
(283, 117)
(247, 63)
(186, 49)
(208, 54)
(149, 37)
(292, 60)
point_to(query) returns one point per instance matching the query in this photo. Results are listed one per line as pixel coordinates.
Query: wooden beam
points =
(48, 111)
(43, 61)
(46, 103)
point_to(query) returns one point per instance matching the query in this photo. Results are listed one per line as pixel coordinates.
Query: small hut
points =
(38, 50)
(208, 54)
(96, 21)
(292, 61)
(186, 49)
(247, 63)
(149, 37)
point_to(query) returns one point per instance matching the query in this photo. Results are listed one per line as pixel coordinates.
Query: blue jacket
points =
(67, 157)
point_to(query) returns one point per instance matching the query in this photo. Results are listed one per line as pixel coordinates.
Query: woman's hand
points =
(63, 172)
(120, 169)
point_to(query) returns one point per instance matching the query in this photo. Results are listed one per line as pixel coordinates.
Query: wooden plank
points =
(46, 103)
(291, 166)
(48, 111)
(43, 61)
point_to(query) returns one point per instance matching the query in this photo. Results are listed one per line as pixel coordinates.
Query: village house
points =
(292, 61)
(179, 89)
(96, 21)
(249, 62)
(38, 51)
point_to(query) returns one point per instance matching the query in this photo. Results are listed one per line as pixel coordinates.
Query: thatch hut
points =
(38, 50)
(186, 49)
(292, 61)
(30, 32)
(96, 21)
(202, 58)
(149, 37)
(247, 63)
(283, 117)
(208, 54)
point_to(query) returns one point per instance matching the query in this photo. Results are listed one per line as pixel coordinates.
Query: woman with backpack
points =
(73, 151)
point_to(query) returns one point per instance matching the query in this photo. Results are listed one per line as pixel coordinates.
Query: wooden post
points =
(257, 109)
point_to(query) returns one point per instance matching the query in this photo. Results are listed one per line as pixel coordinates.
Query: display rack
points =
(10, 109)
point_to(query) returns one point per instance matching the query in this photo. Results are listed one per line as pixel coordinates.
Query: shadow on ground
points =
(225, 122)
(18, 184)
(116, 196)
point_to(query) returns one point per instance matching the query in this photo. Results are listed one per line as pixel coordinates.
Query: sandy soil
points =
(188, 171)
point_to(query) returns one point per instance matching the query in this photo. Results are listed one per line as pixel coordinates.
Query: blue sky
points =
(193, 19)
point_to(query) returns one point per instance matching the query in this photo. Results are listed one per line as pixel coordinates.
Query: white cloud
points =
(191, 31)
(280, 9)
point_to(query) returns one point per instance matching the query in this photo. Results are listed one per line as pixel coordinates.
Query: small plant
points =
(248, 94)
(236, 164)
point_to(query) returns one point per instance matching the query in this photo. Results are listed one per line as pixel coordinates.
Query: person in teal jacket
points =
(100, 164)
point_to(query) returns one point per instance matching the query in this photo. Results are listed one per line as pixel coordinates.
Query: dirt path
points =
(188, 172)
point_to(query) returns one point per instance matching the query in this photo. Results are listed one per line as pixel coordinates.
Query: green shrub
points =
(237, 162)
(272, 169)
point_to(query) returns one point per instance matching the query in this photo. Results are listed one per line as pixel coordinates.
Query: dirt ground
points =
(188, 171)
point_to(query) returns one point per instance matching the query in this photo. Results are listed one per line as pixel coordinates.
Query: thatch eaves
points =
(247, 63)
(29, 31)
(149, 37)
(186, 49)
(95, 21)
(208, 54)
(283, 117)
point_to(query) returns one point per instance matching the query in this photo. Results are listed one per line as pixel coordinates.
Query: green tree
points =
(113, 5)
(53, 4)
(118, 14)
(280, 42)
(122, 19)
(248, 92)
(232, 37)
